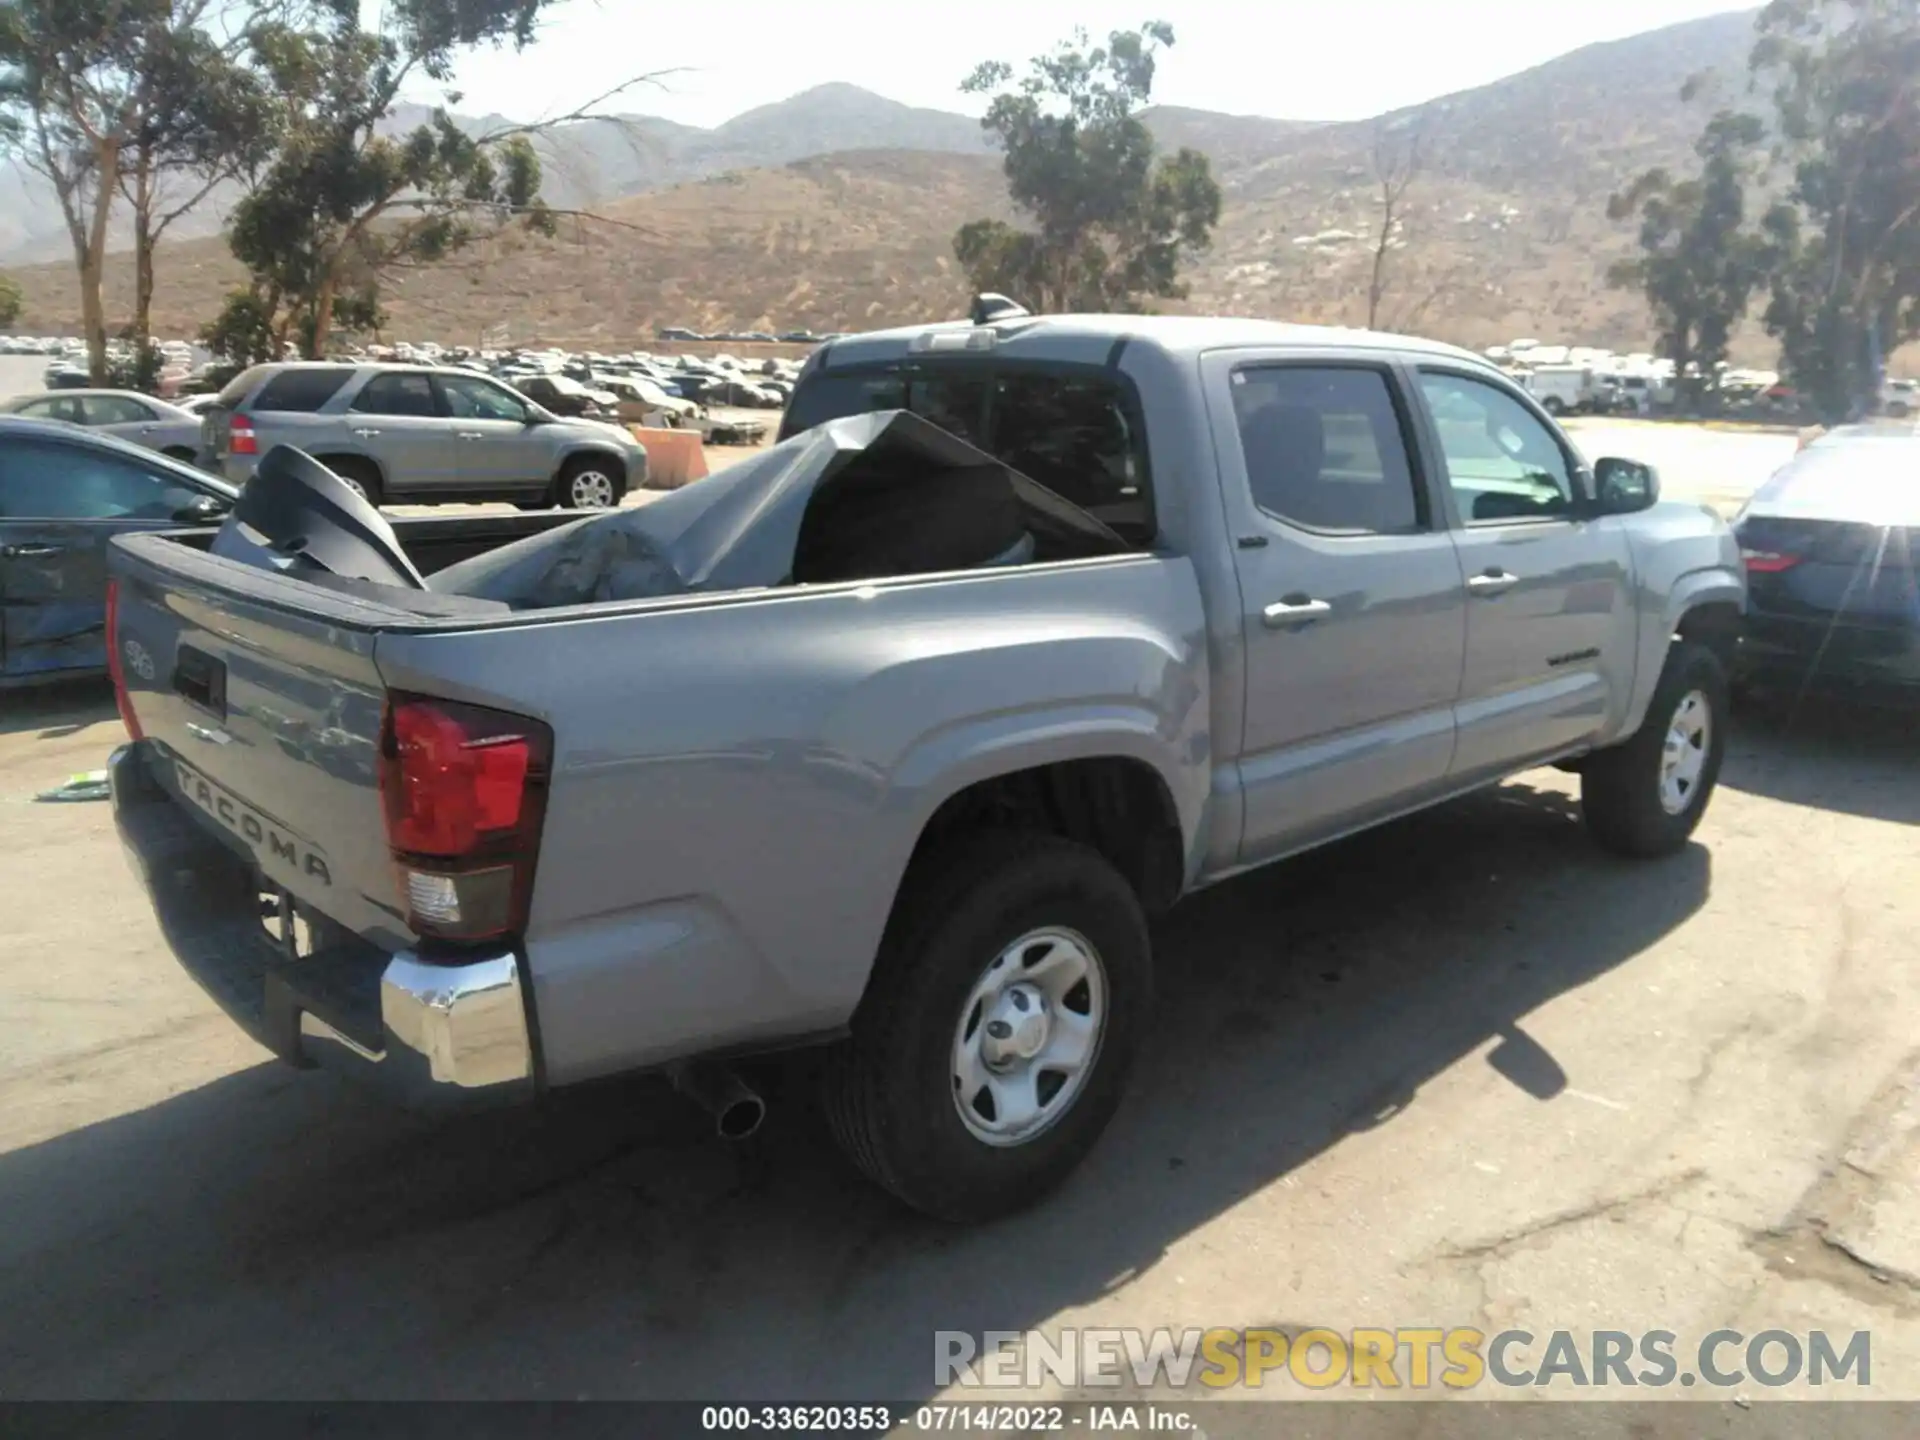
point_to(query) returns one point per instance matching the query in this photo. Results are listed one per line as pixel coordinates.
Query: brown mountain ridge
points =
(1507, 232)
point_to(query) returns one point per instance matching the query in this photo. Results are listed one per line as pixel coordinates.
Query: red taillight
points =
(1767, 562)
(120, 698)
(240, 437)
(465, 791)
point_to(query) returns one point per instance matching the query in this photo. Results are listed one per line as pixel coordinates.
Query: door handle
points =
(1494, 582)
(471, 435)
(1294, 612)
(32, 552)
(365, 432)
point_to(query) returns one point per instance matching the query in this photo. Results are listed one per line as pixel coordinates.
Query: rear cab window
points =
(1074, 429)
(303, 391)
(1326, 449)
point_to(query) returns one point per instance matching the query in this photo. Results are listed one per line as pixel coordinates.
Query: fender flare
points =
(948, 761)
(1709, 585)
(1712, 586)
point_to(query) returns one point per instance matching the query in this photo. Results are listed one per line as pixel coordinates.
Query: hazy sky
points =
(1298, 59)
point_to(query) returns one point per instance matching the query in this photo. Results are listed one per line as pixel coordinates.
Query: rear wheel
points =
(357, 475)
(589, 483)
(180, 453)
(1554, 406)
(1644, 798)
(992, 1046)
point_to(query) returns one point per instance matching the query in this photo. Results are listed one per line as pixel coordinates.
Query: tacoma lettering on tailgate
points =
(268, 839)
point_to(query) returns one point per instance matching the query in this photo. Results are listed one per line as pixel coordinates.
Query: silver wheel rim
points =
(591, 490)
(1028, 1036)
(355, 486)
(1683, 754)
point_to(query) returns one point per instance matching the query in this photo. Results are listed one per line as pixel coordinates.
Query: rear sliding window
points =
(301, 391)
(1076, 432)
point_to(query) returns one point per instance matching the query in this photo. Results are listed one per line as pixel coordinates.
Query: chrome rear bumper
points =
(469, 1020)
(417, 1023)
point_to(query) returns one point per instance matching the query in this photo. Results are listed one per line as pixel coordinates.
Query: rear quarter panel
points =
(739, 786)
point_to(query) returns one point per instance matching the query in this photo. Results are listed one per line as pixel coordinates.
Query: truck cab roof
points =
(1094, 337)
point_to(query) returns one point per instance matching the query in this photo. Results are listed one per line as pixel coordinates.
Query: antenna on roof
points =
(990, 307)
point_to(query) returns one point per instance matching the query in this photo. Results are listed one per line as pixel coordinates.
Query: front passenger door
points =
(1353, 620)
(1550, 650)
(494, 445)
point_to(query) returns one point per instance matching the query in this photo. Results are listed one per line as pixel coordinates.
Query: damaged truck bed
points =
(865, 497)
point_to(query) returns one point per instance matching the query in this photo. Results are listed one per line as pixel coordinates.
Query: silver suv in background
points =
(421, 435)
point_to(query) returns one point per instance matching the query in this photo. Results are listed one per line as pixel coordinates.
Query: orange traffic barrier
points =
(674, 457)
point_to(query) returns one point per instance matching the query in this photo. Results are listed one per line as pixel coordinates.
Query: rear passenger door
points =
(1550, 648)
(398, 421)
(1353, 617)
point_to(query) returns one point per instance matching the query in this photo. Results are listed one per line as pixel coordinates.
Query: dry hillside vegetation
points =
(1506, 231)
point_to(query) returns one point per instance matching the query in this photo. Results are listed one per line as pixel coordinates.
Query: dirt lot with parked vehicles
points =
(1462, 1070)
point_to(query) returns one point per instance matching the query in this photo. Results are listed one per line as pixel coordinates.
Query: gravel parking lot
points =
(1464, 1070)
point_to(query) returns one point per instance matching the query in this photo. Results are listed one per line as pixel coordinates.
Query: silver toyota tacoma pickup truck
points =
(919, 816)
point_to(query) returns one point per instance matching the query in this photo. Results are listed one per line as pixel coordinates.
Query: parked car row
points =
(34, 345)
(700, 381)
(683, 335)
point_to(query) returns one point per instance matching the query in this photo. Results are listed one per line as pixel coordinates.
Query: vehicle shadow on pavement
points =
(56, 710)
(1829, 754)
(275, 1234)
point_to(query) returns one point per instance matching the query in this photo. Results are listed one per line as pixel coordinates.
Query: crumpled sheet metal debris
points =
(741, 528)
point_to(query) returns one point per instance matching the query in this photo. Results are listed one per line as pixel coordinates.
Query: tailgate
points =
(260, 696)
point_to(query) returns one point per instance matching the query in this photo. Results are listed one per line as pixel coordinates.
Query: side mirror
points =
(1625, 487)
(206, 509)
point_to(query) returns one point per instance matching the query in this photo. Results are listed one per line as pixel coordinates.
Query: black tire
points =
(364, 475)
(1554, 406)
(889, 1090)
(180, 453)
(615, 473)
(1620, 789)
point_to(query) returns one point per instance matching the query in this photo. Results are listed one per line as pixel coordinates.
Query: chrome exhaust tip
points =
(737, 1108)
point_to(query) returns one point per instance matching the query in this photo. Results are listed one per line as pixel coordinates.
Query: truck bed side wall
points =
(738, 788)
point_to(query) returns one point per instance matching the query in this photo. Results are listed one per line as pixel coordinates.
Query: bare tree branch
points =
(585, 111)
(482, 207)
(1398, 161)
